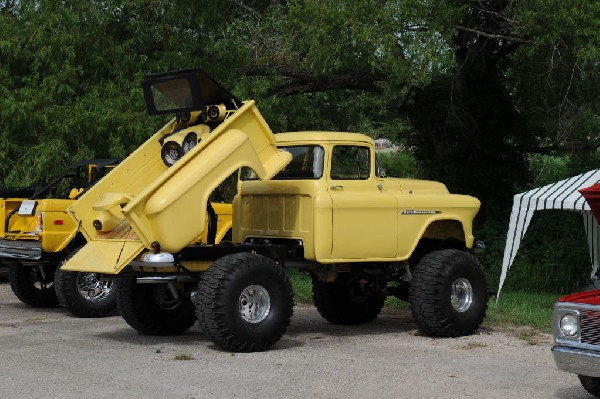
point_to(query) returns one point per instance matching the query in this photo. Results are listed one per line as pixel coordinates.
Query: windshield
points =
(172, 95)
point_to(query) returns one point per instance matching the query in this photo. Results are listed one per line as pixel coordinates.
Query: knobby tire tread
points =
(429, 300)
(214, 302)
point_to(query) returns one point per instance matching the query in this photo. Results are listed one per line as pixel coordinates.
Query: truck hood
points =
(417, 186)
(586, 297)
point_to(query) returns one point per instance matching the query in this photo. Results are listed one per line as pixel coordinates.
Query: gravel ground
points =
(46, 353)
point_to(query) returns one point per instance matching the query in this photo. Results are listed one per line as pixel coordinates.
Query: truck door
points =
(364, 217)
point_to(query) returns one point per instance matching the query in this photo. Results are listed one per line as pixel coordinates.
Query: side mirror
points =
(381, 172)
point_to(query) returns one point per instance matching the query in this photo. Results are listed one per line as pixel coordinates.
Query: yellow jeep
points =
(36, 235)
(315, 201)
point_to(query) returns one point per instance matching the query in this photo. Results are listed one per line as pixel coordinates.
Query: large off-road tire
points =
(33, 285)
(244, 302)
(448, 293)
(591, 384)
(152, 309)
(347, 304)
(84, 294)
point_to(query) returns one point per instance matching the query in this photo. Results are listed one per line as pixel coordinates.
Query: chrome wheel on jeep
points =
(92, 288)
(85, 294)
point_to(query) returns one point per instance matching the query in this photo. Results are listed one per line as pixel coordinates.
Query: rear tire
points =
(152, 309)
(347, 304)
(33, 285)
(591, 384)
(448, 293)
(244, 302)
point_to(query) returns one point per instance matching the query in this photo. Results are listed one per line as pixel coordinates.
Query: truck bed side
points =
(164, 205)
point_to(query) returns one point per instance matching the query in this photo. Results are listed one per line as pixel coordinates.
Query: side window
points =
(306, 164)
(350, 163)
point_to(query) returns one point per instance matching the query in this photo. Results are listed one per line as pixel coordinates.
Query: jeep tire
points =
(33, 285)
(152, 309)
(448, 293)
(84, 294)
(244, 302)
(347, 304)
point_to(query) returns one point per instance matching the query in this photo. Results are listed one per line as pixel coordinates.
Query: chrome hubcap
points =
(254, 304)
(461, 295)
(92, 288)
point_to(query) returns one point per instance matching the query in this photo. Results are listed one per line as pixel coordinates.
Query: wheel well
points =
(445, 230)
(427, 245)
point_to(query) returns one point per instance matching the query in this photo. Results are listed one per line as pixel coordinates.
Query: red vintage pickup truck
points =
(576, 325)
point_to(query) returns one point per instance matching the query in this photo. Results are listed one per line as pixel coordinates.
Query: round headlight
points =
(189, 142)
(170, 152)
(569, 325)
(184, 117)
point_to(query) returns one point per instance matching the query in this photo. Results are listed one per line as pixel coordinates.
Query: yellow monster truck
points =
(315, 201)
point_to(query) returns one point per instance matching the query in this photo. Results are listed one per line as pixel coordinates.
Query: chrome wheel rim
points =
(461, 295)
(92, 288)
(254, 304)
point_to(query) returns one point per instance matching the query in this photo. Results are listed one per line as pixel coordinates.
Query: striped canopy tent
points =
(561, 195)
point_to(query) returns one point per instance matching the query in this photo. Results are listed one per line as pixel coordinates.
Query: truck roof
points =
(320, 137)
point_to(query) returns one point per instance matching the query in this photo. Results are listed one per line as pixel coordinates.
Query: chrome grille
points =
(590, 326)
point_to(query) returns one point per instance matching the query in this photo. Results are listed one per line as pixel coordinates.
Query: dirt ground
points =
(46, 353)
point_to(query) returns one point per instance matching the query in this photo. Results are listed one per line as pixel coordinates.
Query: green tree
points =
(473, 88)
(460, 81)
(70, 77)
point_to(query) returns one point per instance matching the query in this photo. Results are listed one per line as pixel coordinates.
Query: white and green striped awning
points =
(560, 195)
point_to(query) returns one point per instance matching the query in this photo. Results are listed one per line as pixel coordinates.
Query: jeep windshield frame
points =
(184, 90)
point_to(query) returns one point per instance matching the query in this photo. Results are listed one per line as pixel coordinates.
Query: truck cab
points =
(332, 200)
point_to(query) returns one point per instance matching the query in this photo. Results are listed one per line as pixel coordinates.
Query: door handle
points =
(337, 187)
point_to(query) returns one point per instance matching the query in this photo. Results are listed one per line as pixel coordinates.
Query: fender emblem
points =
(415, 212)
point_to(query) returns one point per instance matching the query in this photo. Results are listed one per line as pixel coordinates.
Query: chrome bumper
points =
(29, 250)
(577, 361)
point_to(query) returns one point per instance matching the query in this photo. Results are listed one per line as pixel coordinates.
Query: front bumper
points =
(577, 361)
(28, 250)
